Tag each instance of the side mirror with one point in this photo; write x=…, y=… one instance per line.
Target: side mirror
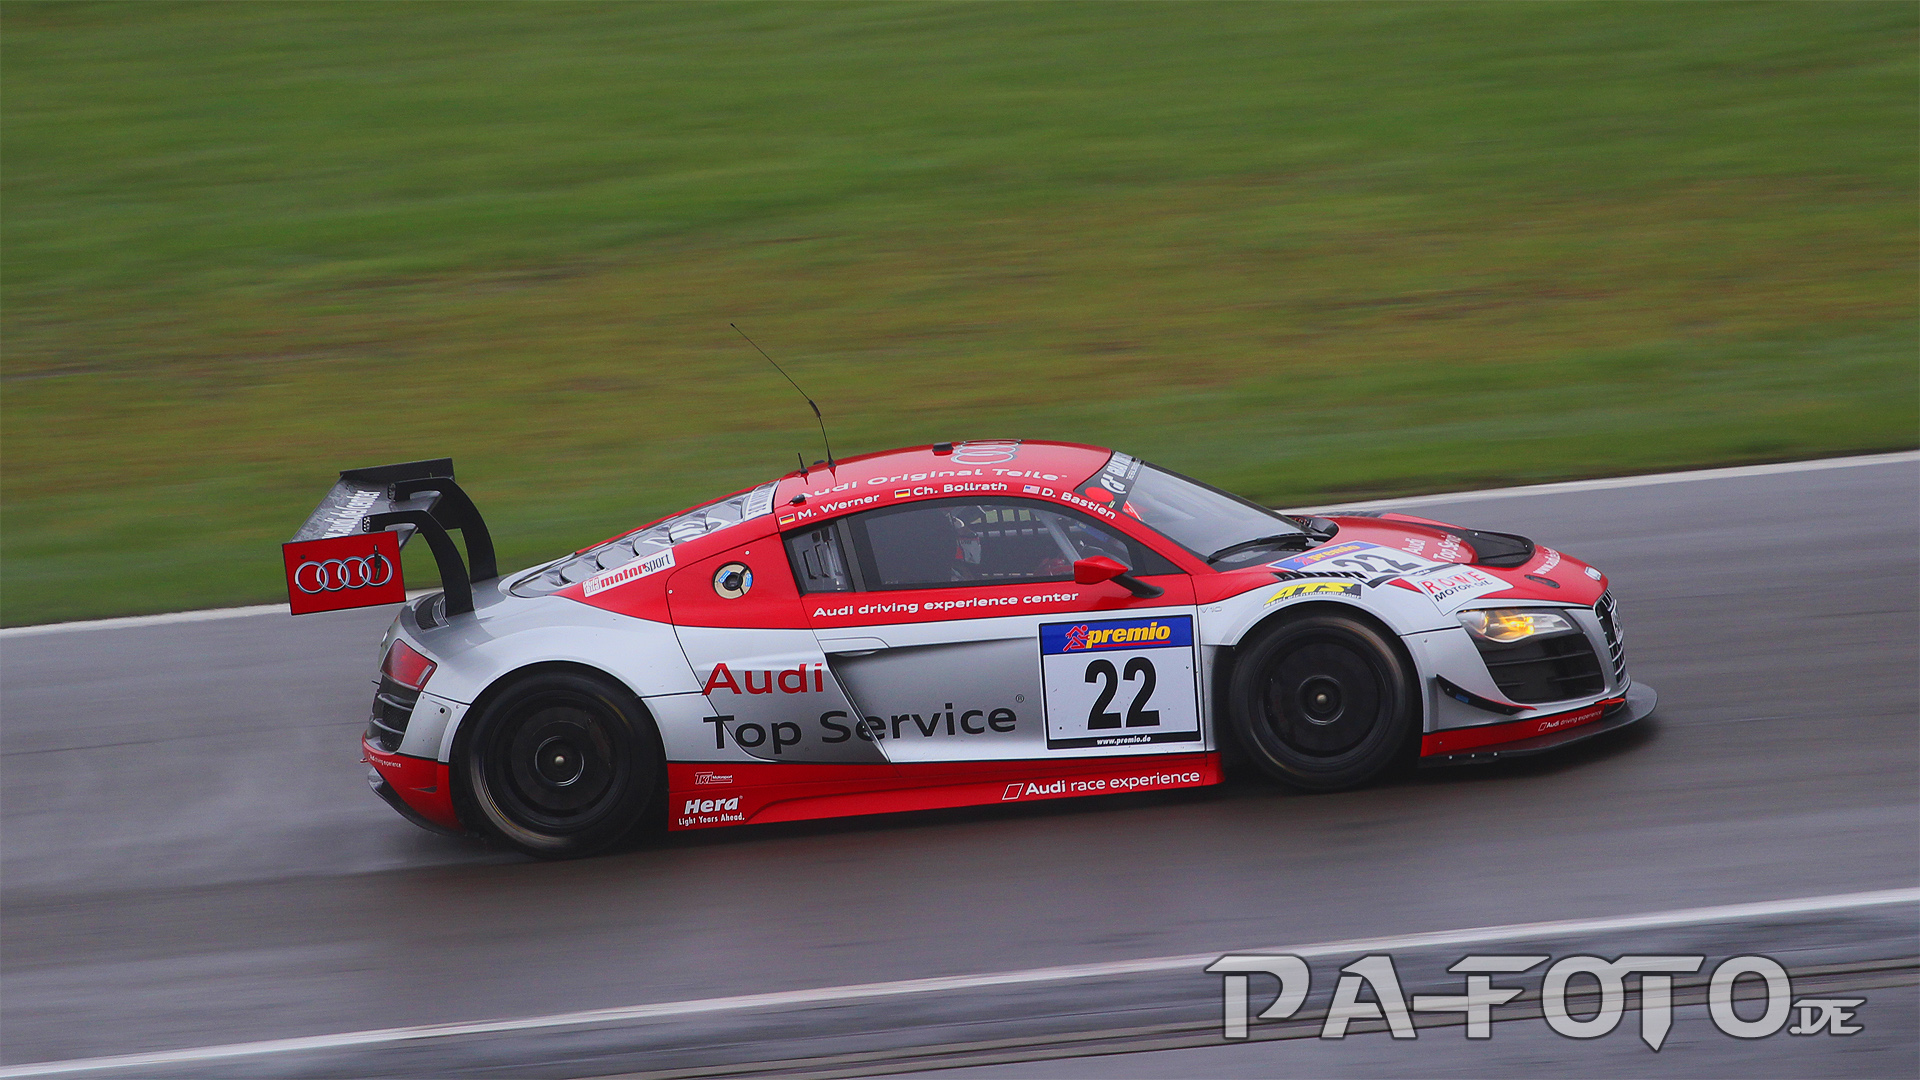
x=1096, y=570
x=1100, y=568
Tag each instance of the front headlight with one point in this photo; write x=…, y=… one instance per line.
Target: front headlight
x=1511, y=624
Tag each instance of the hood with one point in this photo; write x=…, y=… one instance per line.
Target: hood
x=1534, y=571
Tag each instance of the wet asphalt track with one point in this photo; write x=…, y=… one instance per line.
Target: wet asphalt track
x=189, y=854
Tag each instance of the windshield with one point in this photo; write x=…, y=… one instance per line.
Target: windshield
x=1200, y=518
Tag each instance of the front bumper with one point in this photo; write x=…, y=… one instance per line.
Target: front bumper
x=1536, y=735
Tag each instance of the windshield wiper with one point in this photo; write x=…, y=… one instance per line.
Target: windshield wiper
x=1298, y=541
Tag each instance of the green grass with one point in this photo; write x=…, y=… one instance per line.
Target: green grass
x=1302, y=251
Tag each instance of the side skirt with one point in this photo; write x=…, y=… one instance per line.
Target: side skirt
x=704, y=795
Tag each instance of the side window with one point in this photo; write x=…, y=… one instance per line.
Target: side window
x=817, y=565
x=1090, y=538
x=962, y=542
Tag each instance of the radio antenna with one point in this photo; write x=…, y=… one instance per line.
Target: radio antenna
x=816, y=409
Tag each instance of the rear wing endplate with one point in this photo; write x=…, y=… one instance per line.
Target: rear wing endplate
x=341, y=559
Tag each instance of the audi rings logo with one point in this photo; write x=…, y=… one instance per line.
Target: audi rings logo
x=333, y=575
x=986, y=452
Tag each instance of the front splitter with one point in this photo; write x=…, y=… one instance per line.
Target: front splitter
x=1640, y=701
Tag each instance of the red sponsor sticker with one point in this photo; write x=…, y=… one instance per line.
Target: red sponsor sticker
x=1455, y=740
x=1069, y=786
x=344, y=572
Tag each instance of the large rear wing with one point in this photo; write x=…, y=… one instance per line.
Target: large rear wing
x=347, y=555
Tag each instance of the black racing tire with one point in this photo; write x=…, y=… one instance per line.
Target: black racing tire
x=1322, y=702
x=559, y=764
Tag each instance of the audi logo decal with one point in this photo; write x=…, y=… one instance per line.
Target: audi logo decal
x=333, y=575
x=986, y=452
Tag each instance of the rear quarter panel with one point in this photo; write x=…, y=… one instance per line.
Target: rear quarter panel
x=514, y=633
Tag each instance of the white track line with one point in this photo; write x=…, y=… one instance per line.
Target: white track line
x=859, y=991
x=128, y=621
x=1608, y=483
x=143, y=620
x=1603, y=484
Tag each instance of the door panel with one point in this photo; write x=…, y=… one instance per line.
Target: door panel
x=931, y=616
x=966, y=700
x=760, y=666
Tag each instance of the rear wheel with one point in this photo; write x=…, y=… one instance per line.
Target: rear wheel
x=1323, y=702
x=560, y=764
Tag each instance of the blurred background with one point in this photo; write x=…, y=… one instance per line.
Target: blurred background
x=1307, y=252
x=1301, y=251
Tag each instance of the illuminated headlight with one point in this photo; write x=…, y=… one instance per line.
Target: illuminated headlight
x=1512, y=624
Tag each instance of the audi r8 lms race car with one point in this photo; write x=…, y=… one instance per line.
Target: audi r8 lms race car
x=949, y=625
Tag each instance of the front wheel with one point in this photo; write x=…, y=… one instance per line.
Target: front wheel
x=560, y=765
x=1323, y=702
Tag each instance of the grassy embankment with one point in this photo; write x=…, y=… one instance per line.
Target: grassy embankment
x=1300, y=251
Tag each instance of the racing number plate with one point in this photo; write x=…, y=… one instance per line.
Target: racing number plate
x=1119, y=682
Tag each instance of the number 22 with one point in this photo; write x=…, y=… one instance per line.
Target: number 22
x=1103, y=671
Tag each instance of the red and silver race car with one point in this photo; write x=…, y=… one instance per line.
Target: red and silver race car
x=950, y=625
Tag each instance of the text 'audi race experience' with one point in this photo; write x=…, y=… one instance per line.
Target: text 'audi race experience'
x=951, y=625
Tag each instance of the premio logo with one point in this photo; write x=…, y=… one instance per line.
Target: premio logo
x=1107, y=637
x=1117, y=636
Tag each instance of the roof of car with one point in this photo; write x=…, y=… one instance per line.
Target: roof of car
x=991, y=466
